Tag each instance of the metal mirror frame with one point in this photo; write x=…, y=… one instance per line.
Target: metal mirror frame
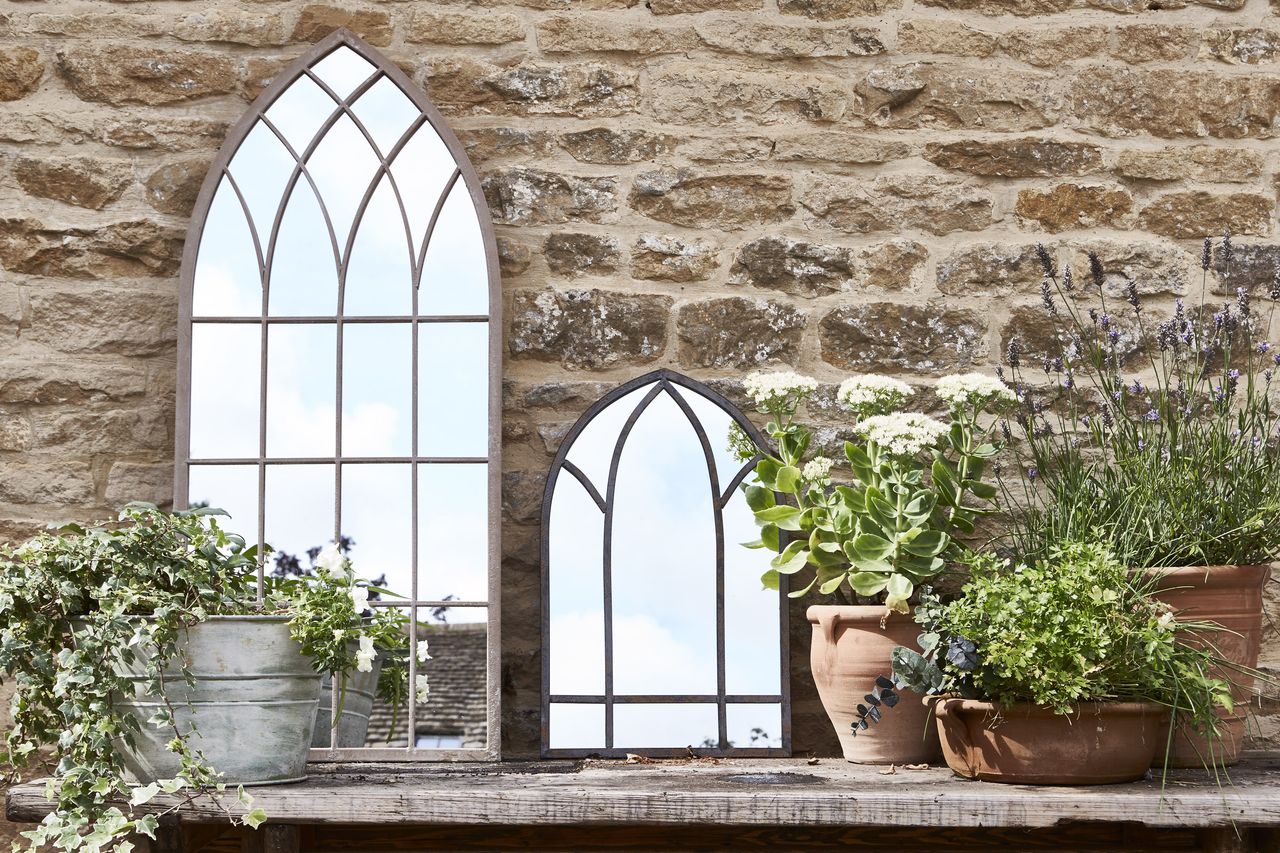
x=466, y=173
x=670, y=381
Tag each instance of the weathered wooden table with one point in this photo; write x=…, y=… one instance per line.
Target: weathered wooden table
x=726, y=804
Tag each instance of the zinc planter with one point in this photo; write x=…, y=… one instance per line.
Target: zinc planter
x=1230, y=596
x=849, y=649
x=253, y=703
x=357, y=705
x=1102, y=743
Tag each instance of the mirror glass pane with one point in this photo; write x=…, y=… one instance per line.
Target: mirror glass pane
x=664, y=539
x=715, y=423
x=577, y=726
x=233, y=488
x=453, y=532
x=262, y=168
x=228, y=281
x=751, y=612
x=299, y=509
x=377, y=389
x=379, y=272
x=303, y=278
x=343, y=70
x=301, y=390
x=226, y=361
x=344, y=166
x=754, y=726
x=656, y=726
x=422, y=170
x=576, y=607
x=592, y=452
x=455, y=276
x=386, y=112
x=453, y=712
x=299, y=113
x=377, y=514
x=453, y=389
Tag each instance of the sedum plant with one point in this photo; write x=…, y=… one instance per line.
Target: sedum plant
x=912, y=484
x=78, y=603
x=1154, y=433
x=1073, y=627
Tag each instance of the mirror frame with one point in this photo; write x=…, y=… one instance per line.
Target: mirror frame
x=660, y=380
x=466, y=173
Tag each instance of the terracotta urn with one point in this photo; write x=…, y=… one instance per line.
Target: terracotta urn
x=1229, y=596
x=1024, y=744
x=849, y=649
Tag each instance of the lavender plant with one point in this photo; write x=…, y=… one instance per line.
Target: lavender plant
x=1157, y=435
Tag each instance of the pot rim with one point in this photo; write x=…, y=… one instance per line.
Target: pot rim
x=855, y=613
x=1243, y=576
x=1029, y=709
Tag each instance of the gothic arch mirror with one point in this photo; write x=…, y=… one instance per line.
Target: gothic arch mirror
x=339, y=369
x=657, y=636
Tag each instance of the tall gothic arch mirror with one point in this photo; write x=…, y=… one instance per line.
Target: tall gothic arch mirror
x=340, y=366
x=657, y=636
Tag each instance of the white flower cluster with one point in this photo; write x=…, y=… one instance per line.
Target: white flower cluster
x=331, y=559
x=872, y=394
x=365, y=655
x=902, y=433
x=421, y=689
x=359, y=600
x=817, y=470
x=973, y=389
x=779, y=391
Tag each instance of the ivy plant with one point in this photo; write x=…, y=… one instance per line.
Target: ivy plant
x=78, y=604
x=913, y=483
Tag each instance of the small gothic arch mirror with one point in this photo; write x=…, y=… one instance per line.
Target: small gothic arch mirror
x=339, y=367
x=656, y=635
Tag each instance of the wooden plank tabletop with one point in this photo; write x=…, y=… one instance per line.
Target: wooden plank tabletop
x=758, y=792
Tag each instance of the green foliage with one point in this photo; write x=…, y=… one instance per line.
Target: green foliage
x=912, y=485
x=1159, y=436
x=76, y=604
x=1073, y=628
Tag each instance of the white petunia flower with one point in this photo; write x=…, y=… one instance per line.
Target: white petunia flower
x=331, y=559
x=871, y=394
x=778, y=391
x=973, y=389
x=338, y=633
x=364, y=657
x=817, y=470
x=904, y=433
x=360, y=599
x=421, y=689
x=423, y=654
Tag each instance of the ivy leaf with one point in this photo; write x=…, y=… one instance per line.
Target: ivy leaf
x=144, y=794
x=255, y=818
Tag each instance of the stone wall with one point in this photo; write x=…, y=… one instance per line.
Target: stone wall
x=711, y=185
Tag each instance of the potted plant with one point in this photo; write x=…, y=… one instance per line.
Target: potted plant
x=145, y=656
x=1156, y=435
x=1059, y=672
x=872, y=532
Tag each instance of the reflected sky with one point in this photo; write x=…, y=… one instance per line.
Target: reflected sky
x=359, y=243
x=664, y=585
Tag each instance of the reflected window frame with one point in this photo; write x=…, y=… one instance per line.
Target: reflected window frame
x=464, y=173
x=677, y=385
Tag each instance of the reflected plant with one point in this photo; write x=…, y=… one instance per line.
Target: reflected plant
x=913, y=484
x=1159, y=436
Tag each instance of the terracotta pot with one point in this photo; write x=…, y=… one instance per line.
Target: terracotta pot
x=849, y=650
x=1230, y=596
x=1103, y=742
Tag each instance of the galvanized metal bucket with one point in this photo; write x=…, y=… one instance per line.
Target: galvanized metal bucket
x=356, y=706
x=253, y=704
